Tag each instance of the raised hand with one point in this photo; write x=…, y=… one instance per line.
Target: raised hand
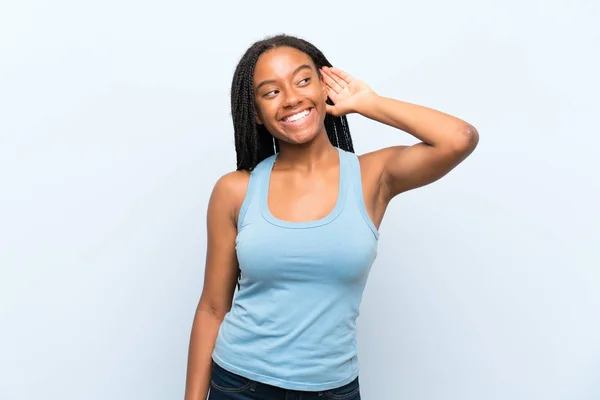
x=345, y=91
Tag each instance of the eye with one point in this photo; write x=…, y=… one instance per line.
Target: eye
x=304, y=81
x=271, y=93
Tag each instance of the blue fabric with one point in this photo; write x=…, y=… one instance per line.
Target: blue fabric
x=293, y=321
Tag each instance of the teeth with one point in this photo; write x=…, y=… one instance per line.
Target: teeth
x=298, y=116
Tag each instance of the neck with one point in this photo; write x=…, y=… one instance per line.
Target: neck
x=306, y=156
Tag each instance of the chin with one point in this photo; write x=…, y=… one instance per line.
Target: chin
x=298, y=139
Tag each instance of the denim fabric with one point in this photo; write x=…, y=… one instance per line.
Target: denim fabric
x=225, y=385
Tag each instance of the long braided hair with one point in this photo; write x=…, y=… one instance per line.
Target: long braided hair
x=253, y=142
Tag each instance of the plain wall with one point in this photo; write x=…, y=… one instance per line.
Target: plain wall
x=115, y=125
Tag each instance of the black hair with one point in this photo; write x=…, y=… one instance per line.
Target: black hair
x=253, y=143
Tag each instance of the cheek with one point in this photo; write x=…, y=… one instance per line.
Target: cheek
x=261, y=116
x=264, y=110
x=267, y=114
x=320, y=94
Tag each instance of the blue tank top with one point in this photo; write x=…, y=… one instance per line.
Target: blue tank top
x=292, y=323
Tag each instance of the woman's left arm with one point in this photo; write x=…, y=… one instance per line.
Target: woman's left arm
x=445, y=142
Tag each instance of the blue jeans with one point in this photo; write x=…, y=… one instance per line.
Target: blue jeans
x=225, y=385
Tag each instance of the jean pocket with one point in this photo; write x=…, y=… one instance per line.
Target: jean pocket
x=346, y=392
x=226, y=381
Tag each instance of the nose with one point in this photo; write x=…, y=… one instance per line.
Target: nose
x=292, y=98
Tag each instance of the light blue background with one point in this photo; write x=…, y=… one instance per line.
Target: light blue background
x=115, y=124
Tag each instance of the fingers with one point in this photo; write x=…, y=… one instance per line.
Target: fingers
x=332, y=82
x=340, y=76
x=332, y=95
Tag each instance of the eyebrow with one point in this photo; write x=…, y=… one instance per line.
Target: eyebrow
x=268, y=81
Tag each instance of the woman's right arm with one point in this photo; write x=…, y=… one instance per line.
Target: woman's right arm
x=220, y=278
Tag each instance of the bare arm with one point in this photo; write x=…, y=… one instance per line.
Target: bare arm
x=220, y=278
x=445, y=142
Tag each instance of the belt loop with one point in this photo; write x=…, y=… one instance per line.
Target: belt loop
x=253, y=386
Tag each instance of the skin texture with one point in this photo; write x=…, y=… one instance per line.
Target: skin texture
x=304, y=181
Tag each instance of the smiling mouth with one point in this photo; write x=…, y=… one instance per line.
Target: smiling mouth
x=298, y=117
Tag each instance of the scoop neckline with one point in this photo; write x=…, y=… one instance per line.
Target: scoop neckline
x=333, y=214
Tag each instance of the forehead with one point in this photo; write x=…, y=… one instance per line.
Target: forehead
x=279, y=63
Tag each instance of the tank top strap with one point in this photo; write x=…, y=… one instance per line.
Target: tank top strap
x=356, y=189
x=252, y=198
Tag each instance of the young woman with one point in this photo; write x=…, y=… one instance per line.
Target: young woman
x=296, y=225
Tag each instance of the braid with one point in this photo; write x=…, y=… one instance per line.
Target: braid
x=253, y=142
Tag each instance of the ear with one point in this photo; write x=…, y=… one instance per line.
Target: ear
x=323, y=85
x=258, y=120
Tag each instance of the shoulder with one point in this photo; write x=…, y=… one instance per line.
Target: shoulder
x=231, y=186
x=372, y=166
x=373, y=163
x=229, y=192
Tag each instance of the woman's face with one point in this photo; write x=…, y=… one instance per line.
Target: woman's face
x=289, y=95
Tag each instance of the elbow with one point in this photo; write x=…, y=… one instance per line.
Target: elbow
x=466, y=139
x=213, y=308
